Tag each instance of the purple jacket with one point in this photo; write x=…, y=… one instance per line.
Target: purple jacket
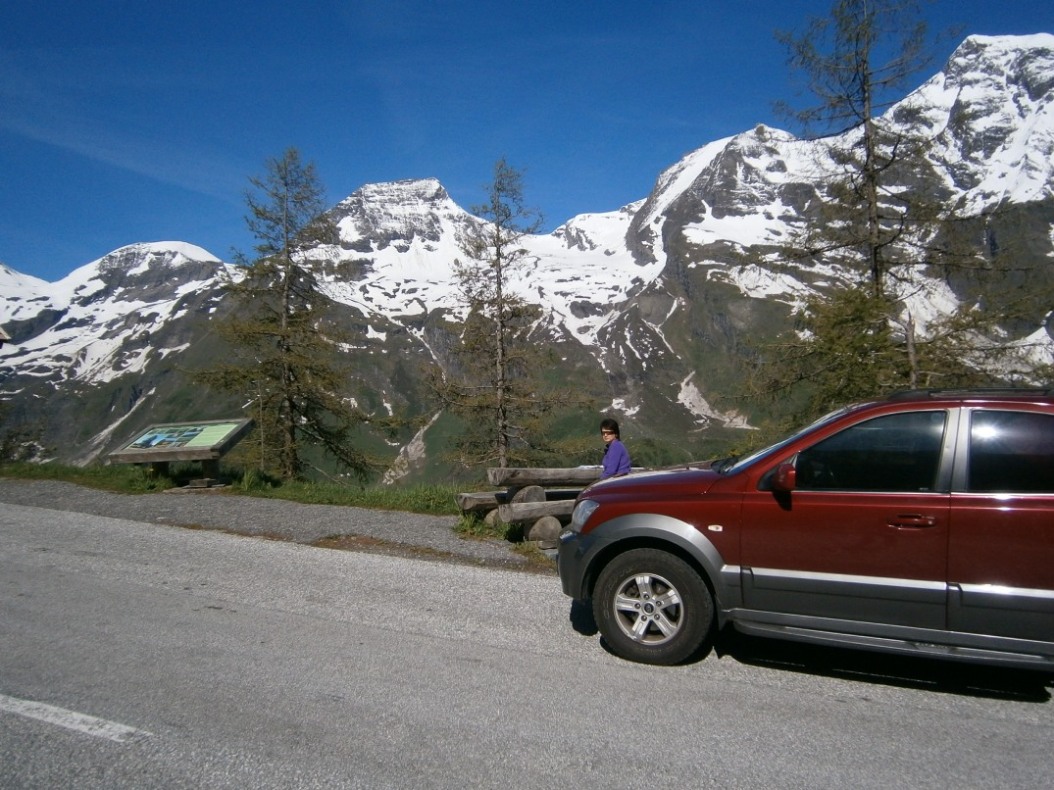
x=616, y=460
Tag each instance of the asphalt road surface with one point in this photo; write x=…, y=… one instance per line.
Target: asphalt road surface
x=137, y=655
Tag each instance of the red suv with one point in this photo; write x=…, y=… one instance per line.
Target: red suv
x=922, y=524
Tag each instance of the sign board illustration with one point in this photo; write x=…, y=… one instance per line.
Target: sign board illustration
x=186, y=441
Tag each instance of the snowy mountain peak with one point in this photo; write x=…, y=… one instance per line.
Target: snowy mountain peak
x=396, y=211
x=172, y=252
x=138, y=259
x=1021, y=59
x=12, y=282
x=405, y=192
x=990, y=115
x=147, y=270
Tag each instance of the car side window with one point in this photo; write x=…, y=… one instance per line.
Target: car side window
x=1011, y=452
x=897, y=452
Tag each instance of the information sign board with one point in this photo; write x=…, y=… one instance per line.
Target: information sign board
x=207, y=440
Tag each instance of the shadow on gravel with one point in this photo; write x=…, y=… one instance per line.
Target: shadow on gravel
x=581, y=618
x=946, y=677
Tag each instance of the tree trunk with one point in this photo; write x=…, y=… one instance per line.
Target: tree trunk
x=913, y=358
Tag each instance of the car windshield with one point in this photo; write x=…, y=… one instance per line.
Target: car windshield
x=731, y=465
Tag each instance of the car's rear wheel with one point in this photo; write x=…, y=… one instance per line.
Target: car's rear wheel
x=651, y=606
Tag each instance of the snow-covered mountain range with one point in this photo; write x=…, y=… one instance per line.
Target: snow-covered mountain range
x=650, y=307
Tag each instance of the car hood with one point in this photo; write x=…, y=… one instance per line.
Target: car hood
x=688, y=480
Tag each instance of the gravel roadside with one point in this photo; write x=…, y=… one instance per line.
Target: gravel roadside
x=332, y=526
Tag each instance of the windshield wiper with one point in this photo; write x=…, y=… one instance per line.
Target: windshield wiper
x=722, y=464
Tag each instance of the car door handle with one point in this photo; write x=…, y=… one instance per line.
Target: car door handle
x=912, y=521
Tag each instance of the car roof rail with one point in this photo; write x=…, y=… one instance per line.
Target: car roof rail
x=965, y=392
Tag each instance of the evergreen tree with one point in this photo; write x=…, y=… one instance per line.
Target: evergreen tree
x=880, y=222
x=497, y=385
x=842, y=57
x=283, y=346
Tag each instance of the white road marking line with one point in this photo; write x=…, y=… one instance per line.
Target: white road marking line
x=71, y=720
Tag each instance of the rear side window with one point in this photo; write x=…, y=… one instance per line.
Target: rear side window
x=1011, y=452
x=898, y=452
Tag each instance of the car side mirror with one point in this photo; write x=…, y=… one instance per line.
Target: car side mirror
x=786, y=478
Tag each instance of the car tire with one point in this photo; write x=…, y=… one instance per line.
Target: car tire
x=653, y=607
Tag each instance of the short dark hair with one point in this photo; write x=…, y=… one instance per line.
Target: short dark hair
x=610, y=425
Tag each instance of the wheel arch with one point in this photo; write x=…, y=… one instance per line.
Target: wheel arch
x=655, y=531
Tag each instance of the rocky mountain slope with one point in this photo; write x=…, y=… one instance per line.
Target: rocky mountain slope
x=651, y=308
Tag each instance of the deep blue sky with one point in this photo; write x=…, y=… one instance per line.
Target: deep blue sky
x=126, y=120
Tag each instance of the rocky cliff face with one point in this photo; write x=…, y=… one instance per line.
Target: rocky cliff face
x=652, y=308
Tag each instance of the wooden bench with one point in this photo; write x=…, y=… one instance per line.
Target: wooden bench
x=542, y=499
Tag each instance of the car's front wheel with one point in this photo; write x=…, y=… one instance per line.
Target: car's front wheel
x=653, y=607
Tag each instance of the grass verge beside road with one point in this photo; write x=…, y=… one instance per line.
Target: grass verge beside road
x=433, y=500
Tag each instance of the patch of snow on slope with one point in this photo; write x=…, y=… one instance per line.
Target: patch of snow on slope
x=759, y=282
x=413, y=452
x=760, y=227
x=692, y=399
x=620, y=406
